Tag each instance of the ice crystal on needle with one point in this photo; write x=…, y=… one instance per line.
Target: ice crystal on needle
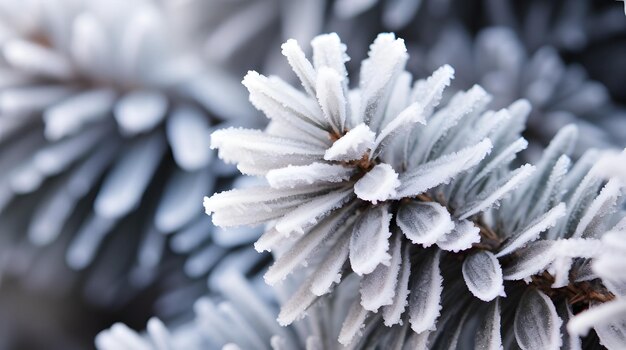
x=382, y=182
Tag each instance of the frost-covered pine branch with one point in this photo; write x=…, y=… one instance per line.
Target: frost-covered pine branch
x=417, y=199
x=96, y=97
x=239, y=315
x=105, y=119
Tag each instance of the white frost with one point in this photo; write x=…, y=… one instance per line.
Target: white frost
x=378, y=184
x=369, y=242
x=425, y=302
x=424, y=223
x=353, y=145
x=483, y=275
x=293, y=176
x=378, y=288
x=441, y=170
x=537, y=325
x=464, y=234
x=488, y=336
x=532, y=231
